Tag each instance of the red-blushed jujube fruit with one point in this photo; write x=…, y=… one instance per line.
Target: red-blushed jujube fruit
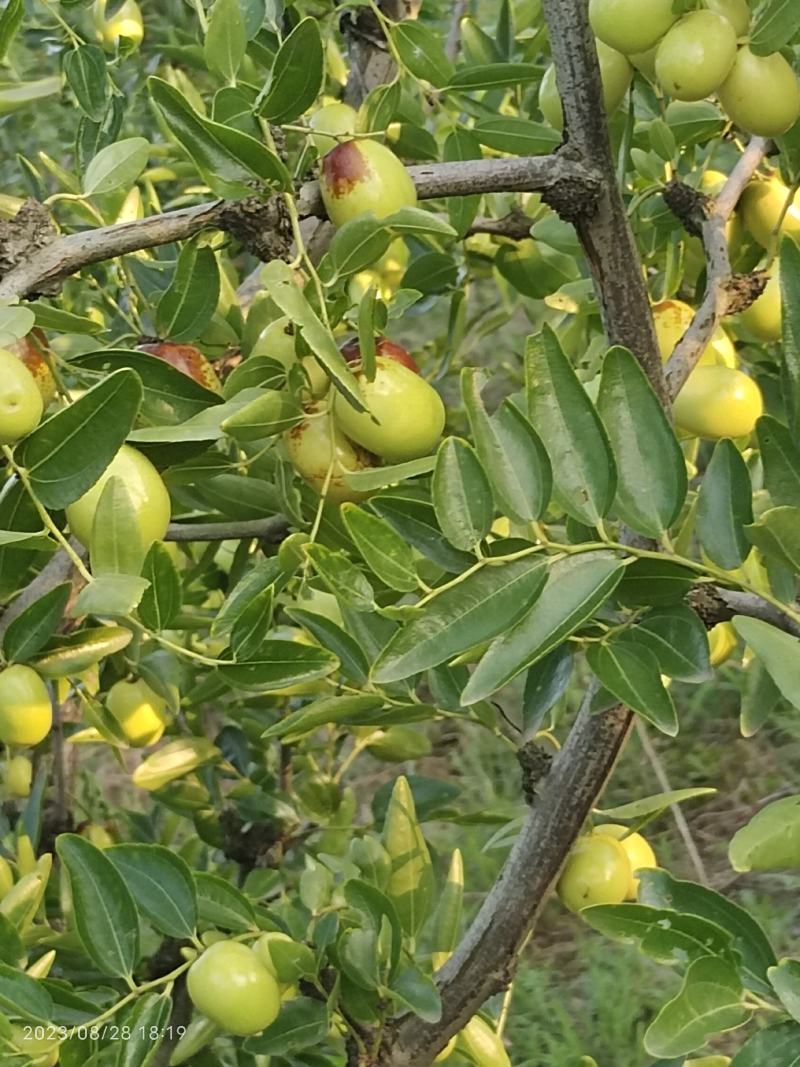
x=361, y=176
x=316, y=446
x=21, y=403
x=383, y=347
x=187, y=359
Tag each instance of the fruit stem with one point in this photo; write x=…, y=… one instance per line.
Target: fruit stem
x=51, y=526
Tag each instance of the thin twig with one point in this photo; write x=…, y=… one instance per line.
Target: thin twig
x=273, y=529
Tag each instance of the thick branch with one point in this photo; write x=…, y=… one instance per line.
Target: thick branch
x=67, y=254
x=725, y=292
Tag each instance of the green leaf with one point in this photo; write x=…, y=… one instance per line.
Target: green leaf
x=633, y=675
x=228, y=160
x=105, y=914
x=781, y=459
x=354, y=663
x=226, y=40
x=380, y=477
x=161, y=884
x=415, y=520
x=664, y=935
x=381, y=105
x=280, y=664
x=446, y=922
x=358, y=244
x=771, y=840
x=280, y=283
x=577, y=586
x=510, y=451
x=345, y=710
x=146, y=1023
x=10, y=22
x=725, y=506
x=693, y=122
x=23, y=997
x=462, y=144
x=778, y=1046
x=297, y=74
x=342, y=577
x=520, y=137
x=188, y=304
x=709, y=1003
x=678, y=639
x=546, y=682
x=174, y=760
x=776, y=22
x=417, y=991
x=170, y=397
x=222, y=904
x=421, y=52
x=302, y=1023
x=494, y=76
x=109, y=594
x=785, y=979
x=33, y=628
x=571, y=431
x=411, y=883
x=659, y=889
x=14, y=96
x=266, y=415
x=116, y=544
x=651, y=469
x=117, y=166
x=778, y=651
x=68, y=452
x=760, y=697
x=161, y=601
x=36, y=542
x=462, y=495
x=384, y=551
x=777, y=535
x=485, y=604
x=69, y=654
x=654, y=582
x=85, y=70
x=790, y=349
x=252, y=625
x=414, y=221
x=638, y=809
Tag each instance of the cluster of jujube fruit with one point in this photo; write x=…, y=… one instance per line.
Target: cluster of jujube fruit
x=690, y=57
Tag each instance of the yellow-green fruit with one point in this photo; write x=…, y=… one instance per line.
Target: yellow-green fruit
x=482, y=1045
x=761, y=94
x=597, y=871
x=396, y=744
x=709, y=1061
x=317, y=446
x=147, y=493
x=737, y=12
x=616, y=74
x=637, y=848
x=718, y=402
x=26, y=713
x=141, y=713
x=231, y=986
x=125, y=22
x=335, y=118
x=645, y=63
x=263, y=949
x=405, y=415
x=17, y=776
x=672, y=318
x=368, y=279
x=722, y=641
x=41, y=1051
x=361, y=176
x=696, y=56
x=392, y=265
x=630, y=25
x=98, y=835
x=21, y=404
x=765, y=204
x=6, y=876
x=764, y=317
x=277, y=342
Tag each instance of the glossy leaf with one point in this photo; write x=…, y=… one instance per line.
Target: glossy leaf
x=10, y=22
x=161, y=601
x=222, y=904
x=421, y=52
x=725, y=507
x=279, y=664
x=785, y=979
x=187, y=305
x=252, y=625
x=461, y=144
x=105, y=913
x=771, y=840
x=32, y=629
x=510, y=452
x=778, y=651
x=777, y=535
x=116, y=545
x=174, y=760
x=519, y=136
x=576, y=588
x=778, y=1045
x=631, y=672
x=68, y=452
x=296, y=74
x=415, y=520
x=411, y=884
x=545, y=684
x=161, y=884
x=493, y=76
x=358, y=244
x=117, y=166
x=354, y=663
x=66, y=655
x=781, y=459
x=462, y=495
x=266, y=415
x=637, y=809
x=709, y=1002
x=651, y=469
x=147, y=1024
x=226, y=39
x=85, y=70
x=302, y=1023
x=790, y=349
x=678, y=639
x=776, y=22
x=384, y=551
x=346, y=710
x=485, y=604
x=664, y=935
x=571, y=431
x=343, y=578
x=109, y=594
x=24, y=997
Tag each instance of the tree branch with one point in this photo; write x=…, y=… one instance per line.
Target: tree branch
x=69, y=253
x=726, y=292
x=273, y=529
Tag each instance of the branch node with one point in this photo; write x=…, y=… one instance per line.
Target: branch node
x=744, y=289
x=262, y=226
x=572, y=198
x=30, y=229
x=535, y=764
x=688, y=205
